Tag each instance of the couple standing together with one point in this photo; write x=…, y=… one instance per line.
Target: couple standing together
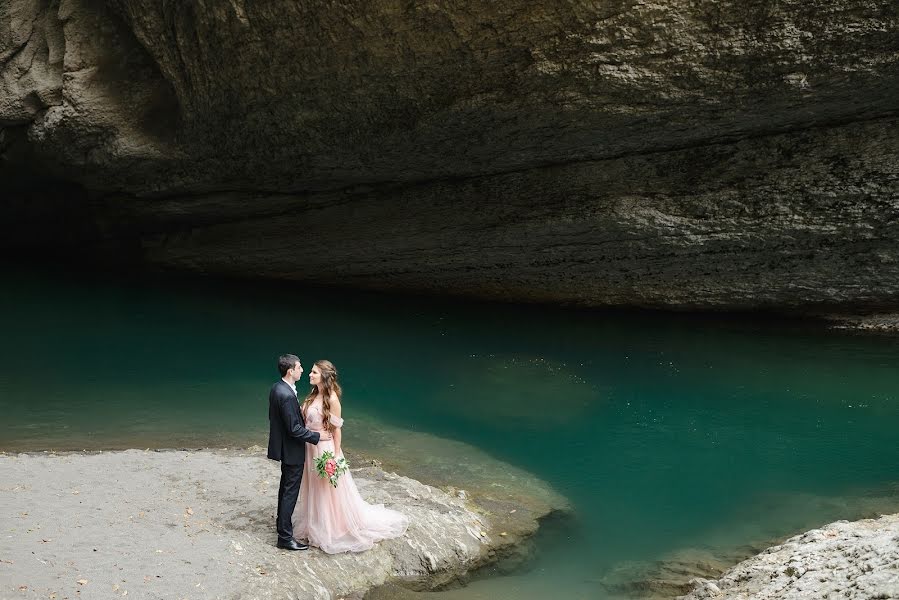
x=335, y=519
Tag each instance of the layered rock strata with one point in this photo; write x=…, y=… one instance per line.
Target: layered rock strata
x=692, y=155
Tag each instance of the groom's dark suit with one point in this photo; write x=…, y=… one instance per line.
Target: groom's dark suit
x=287, y=441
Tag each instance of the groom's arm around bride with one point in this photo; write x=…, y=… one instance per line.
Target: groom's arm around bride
x=293, y=424
x=287, y=431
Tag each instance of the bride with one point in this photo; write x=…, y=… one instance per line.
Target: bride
x=336, y=519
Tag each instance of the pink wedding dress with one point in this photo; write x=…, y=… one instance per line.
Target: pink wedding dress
x=338, y=519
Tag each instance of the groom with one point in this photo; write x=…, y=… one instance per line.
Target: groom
x=287, y=439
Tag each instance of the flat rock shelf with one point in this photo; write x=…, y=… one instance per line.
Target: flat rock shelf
x=200, y=524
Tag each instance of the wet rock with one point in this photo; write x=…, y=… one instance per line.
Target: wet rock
x=667, y=578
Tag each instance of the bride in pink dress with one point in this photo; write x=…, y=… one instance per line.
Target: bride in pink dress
x=336, y=519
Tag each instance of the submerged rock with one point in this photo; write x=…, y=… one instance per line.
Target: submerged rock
x=664, y=579
x=172, y=524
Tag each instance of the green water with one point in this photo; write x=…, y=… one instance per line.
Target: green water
x=666, y=432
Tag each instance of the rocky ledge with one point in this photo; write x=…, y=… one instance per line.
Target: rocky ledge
x=181, y=524
x=845, y=559
x=884, y=323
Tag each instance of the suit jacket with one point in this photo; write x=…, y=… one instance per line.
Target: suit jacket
x=287, y=435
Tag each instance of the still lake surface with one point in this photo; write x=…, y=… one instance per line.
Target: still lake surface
x=666, y=432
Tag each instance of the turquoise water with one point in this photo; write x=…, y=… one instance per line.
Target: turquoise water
x=666, y=432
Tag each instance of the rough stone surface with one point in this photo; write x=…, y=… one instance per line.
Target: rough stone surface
x=842, y=560
x=663, y=154
x=738, y=539
x=885, y=323
x=177, y=524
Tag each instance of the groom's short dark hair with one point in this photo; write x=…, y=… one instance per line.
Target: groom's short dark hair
x=286, y=362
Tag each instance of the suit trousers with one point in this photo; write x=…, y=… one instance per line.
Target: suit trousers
x=288, y=492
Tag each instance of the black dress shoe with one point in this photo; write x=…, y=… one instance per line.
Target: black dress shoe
x=292, y=545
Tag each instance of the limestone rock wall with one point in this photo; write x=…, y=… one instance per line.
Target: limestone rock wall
x=673, y=153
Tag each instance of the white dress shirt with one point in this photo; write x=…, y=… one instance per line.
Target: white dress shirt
x=293, y=387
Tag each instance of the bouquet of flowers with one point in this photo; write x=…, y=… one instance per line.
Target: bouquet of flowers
x=331, y=468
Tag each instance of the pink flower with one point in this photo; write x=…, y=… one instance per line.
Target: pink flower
x=330, y=467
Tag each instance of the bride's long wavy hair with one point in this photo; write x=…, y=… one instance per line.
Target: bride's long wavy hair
x=329, y=384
